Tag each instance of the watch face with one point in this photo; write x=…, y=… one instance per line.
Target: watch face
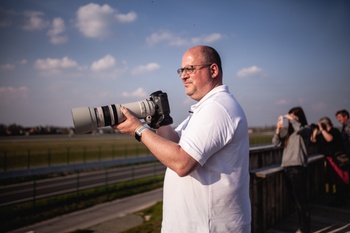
x=139, y=130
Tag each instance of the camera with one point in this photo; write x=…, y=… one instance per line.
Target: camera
x=155, y=111
x=314, y=126
x=280, y=121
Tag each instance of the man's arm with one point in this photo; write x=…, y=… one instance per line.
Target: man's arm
x=169, y=133
x=166, y=150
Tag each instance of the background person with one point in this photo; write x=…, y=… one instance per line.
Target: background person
x=294, y=161
x=329, y=142
x=206, y=185
x=343, y=118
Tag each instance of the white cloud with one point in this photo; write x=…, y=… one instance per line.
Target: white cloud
x=55, y=64
x=126, y=18
x=140, y=93
x=156, y=38
x=34, y=21
x=174, y=40
x=95, y=21
x=250, y=71
x=23, y=61
x=12, y=66
x=146, y=68
x=206, y=38
x=282, y=102
x=7, y=67
x=319, y=107
x=104, y=63
x=11, y=95
x=55, y=33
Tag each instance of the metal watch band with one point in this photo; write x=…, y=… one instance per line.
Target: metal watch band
x=138, y=133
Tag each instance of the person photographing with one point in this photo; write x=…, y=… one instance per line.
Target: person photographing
x=206, y=184
x=294, y=161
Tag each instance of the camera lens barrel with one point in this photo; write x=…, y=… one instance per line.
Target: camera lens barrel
x=84, y=119
x=106, y=115
x=88, y=119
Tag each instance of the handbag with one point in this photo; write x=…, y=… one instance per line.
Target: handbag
x=342, y=160
x=343, y=175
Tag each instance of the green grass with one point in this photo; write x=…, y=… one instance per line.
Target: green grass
x=153, y=224
x=260, y=139
x=28, y=154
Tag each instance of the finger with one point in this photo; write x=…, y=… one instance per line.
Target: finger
x=125, y=111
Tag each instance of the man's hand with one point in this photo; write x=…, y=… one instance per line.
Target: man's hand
x=130, y=124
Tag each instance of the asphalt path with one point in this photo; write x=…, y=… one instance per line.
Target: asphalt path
x=111, y=217
x=27, y=191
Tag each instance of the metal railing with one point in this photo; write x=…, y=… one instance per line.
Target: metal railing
x=37, y=189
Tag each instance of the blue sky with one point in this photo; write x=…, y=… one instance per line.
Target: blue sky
x=277, y=54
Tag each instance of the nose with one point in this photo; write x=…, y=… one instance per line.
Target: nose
x=184, y=75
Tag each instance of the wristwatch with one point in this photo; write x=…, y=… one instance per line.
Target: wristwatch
x=138, y=132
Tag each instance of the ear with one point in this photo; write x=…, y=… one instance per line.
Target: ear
x=214, y=70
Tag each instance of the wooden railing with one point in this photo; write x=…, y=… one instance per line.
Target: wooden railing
x=269, y=197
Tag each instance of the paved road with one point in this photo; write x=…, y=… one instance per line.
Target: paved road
x=44, y=188
x=112, y=217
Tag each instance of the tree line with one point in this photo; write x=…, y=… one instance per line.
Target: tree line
x=19, y=130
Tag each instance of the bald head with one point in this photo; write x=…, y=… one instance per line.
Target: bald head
x=202, y=71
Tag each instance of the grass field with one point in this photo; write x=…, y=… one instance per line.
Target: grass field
x=47, y=151
x=28, y=152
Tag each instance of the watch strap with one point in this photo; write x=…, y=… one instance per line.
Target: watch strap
x=138, y=132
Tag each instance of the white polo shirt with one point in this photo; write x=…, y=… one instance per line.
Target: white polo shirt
x=214, y=197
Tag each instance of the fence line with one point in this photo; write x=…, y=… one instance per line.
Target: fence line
x=37, y=189
x=33, y=152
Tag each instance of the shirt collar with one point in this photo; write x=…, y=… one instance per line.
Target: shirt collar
x=221, y=88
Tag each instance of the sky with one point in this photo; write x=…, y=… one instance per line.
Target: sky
x=276, y=54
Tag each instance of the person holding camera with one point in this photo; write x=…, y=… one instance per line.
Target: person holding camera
x=294, y=161
x=329, y=142
x=206, y=184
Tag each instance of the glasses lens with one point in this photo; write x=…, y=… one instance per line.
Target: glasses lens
x=189, y=70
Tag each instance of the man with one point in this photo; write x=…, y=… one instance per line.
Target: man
x=343, y=118
x=206, y=185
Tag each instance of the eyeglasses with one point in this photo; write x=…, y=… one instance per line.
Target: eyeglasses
x=190, y=69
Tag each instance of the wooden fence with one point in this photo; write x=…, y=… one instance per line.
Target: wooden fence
x=269, y=197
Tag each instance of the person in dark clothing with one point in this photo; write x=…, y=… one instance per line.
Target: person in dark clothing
x=329, y=141
x=343, y=118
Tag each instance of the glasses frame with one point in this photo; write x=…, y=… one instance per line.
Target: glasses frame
x=190, y=69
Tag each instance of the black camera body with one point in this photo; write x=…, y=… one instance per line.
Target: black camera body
x=315, y=126
x=162, y=110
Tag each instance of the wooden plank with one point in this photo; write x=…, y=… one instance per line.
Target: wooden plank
x=267, y=171
x=323, y=218
x=264, y=172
